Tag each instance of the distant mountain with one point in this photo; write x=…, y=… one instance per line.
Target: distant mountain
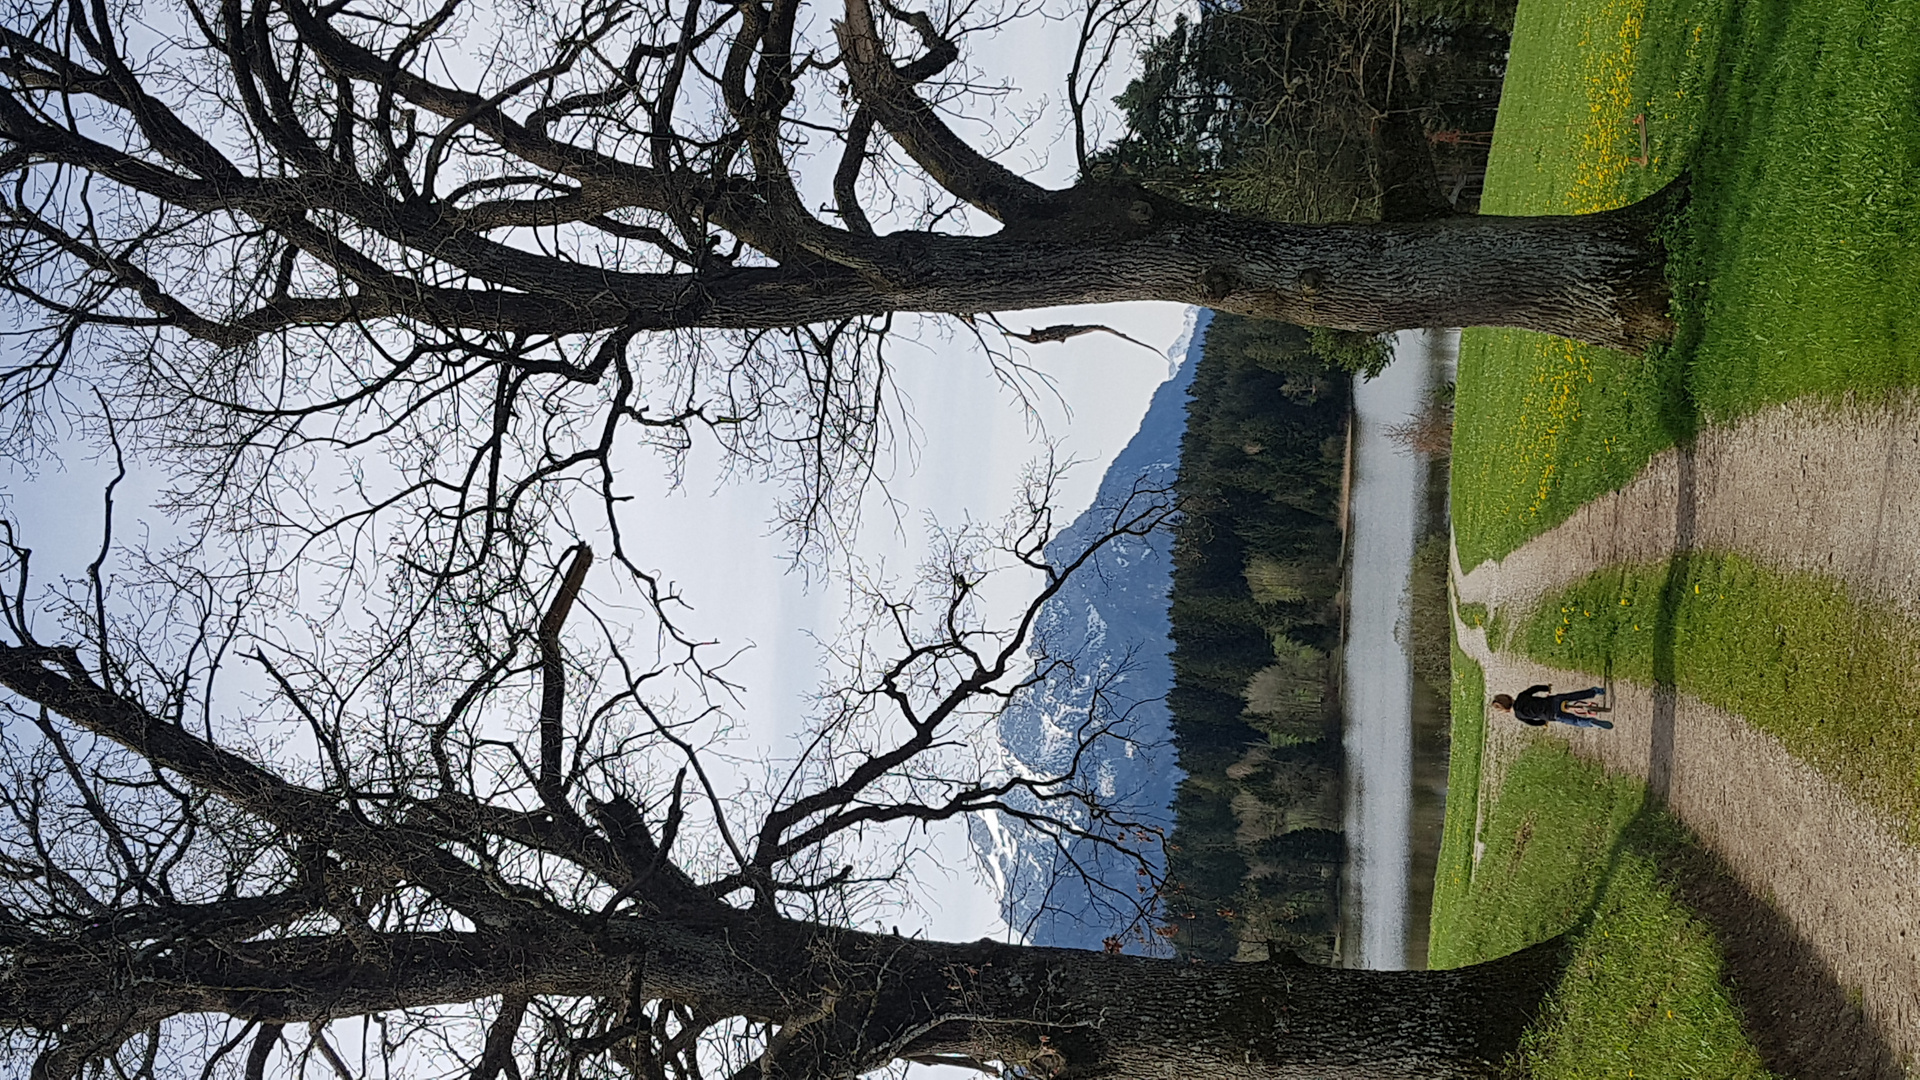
x=1111, y=623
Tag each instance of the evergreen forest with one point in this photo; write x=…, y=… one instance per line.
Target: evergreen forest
x=1256, y=851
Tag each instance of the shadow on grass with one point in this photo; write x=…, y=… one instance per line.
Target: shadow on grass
x=1666, y=630
x=1722, y=161
x=1803, y=1022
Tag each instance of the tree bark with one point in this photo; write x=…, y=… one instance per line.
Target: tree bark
x=1596, y=278
x=1070, y=1013
x=849, y=1002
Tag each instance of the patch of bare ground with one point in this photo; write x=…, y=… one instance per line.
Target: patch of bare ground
x=1816, y=900
x=1826, y=967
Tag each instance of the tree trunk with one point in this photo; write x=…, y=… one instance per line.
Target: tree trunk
x=1069, y=1013
x=1596, y=278
x=849, y=1002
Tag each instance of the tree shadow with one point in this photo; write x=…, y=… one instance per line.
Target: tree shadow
x=1666, y=628
x=1803, y=1022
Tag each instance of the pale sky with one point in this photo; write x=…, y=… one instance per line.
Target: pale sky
x=969, y=442
x=973, y=442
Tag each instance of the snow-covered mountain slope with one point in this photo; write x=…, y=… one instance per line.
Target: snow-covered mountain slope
x=1110, y=624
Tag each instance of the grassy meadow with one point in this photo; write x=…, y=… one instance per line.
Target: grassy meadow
x=1794, y=122
x=1795, y=127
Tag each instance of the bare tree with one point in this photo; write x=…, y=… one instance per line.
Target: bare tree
x=515, y=857
x=448, y=259
x=620, y=168
x=374, y=290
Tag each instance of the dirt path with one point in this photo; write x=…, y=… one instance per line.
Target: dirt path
x=1833, y=490
x=1813, y=488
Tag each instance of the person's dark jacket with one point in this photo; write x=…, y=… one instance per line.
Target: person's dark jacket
x=1535, y=704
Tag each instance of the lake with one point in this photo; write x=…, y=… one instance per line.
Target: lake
x=1394, y=734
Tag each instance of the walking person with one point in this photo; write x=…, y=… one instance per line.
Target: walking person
x=1538, y=704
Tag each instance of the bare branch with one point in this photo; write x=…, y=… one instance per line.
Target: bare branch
x=1064, y=332
x=888, y=94
x=553, y=679
x=500, y=1035
x=264, y=1044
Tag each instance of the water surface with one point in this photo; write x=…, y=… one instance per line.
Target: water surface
x=1388, y=512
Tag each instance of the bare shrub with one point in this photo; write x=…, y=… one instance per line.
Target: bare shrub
x=1429, y=434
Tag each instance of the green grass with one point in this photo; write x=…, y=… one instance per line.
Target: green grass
x=1834, y=678
x=1454, y=873
x=1497, y=629
x=1796, y=121
x=1806, y=226
x=1569, y=848
x=1473, y=615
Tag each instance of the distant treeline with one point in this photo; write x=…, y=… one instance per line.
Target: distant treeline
x=1256, y=852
